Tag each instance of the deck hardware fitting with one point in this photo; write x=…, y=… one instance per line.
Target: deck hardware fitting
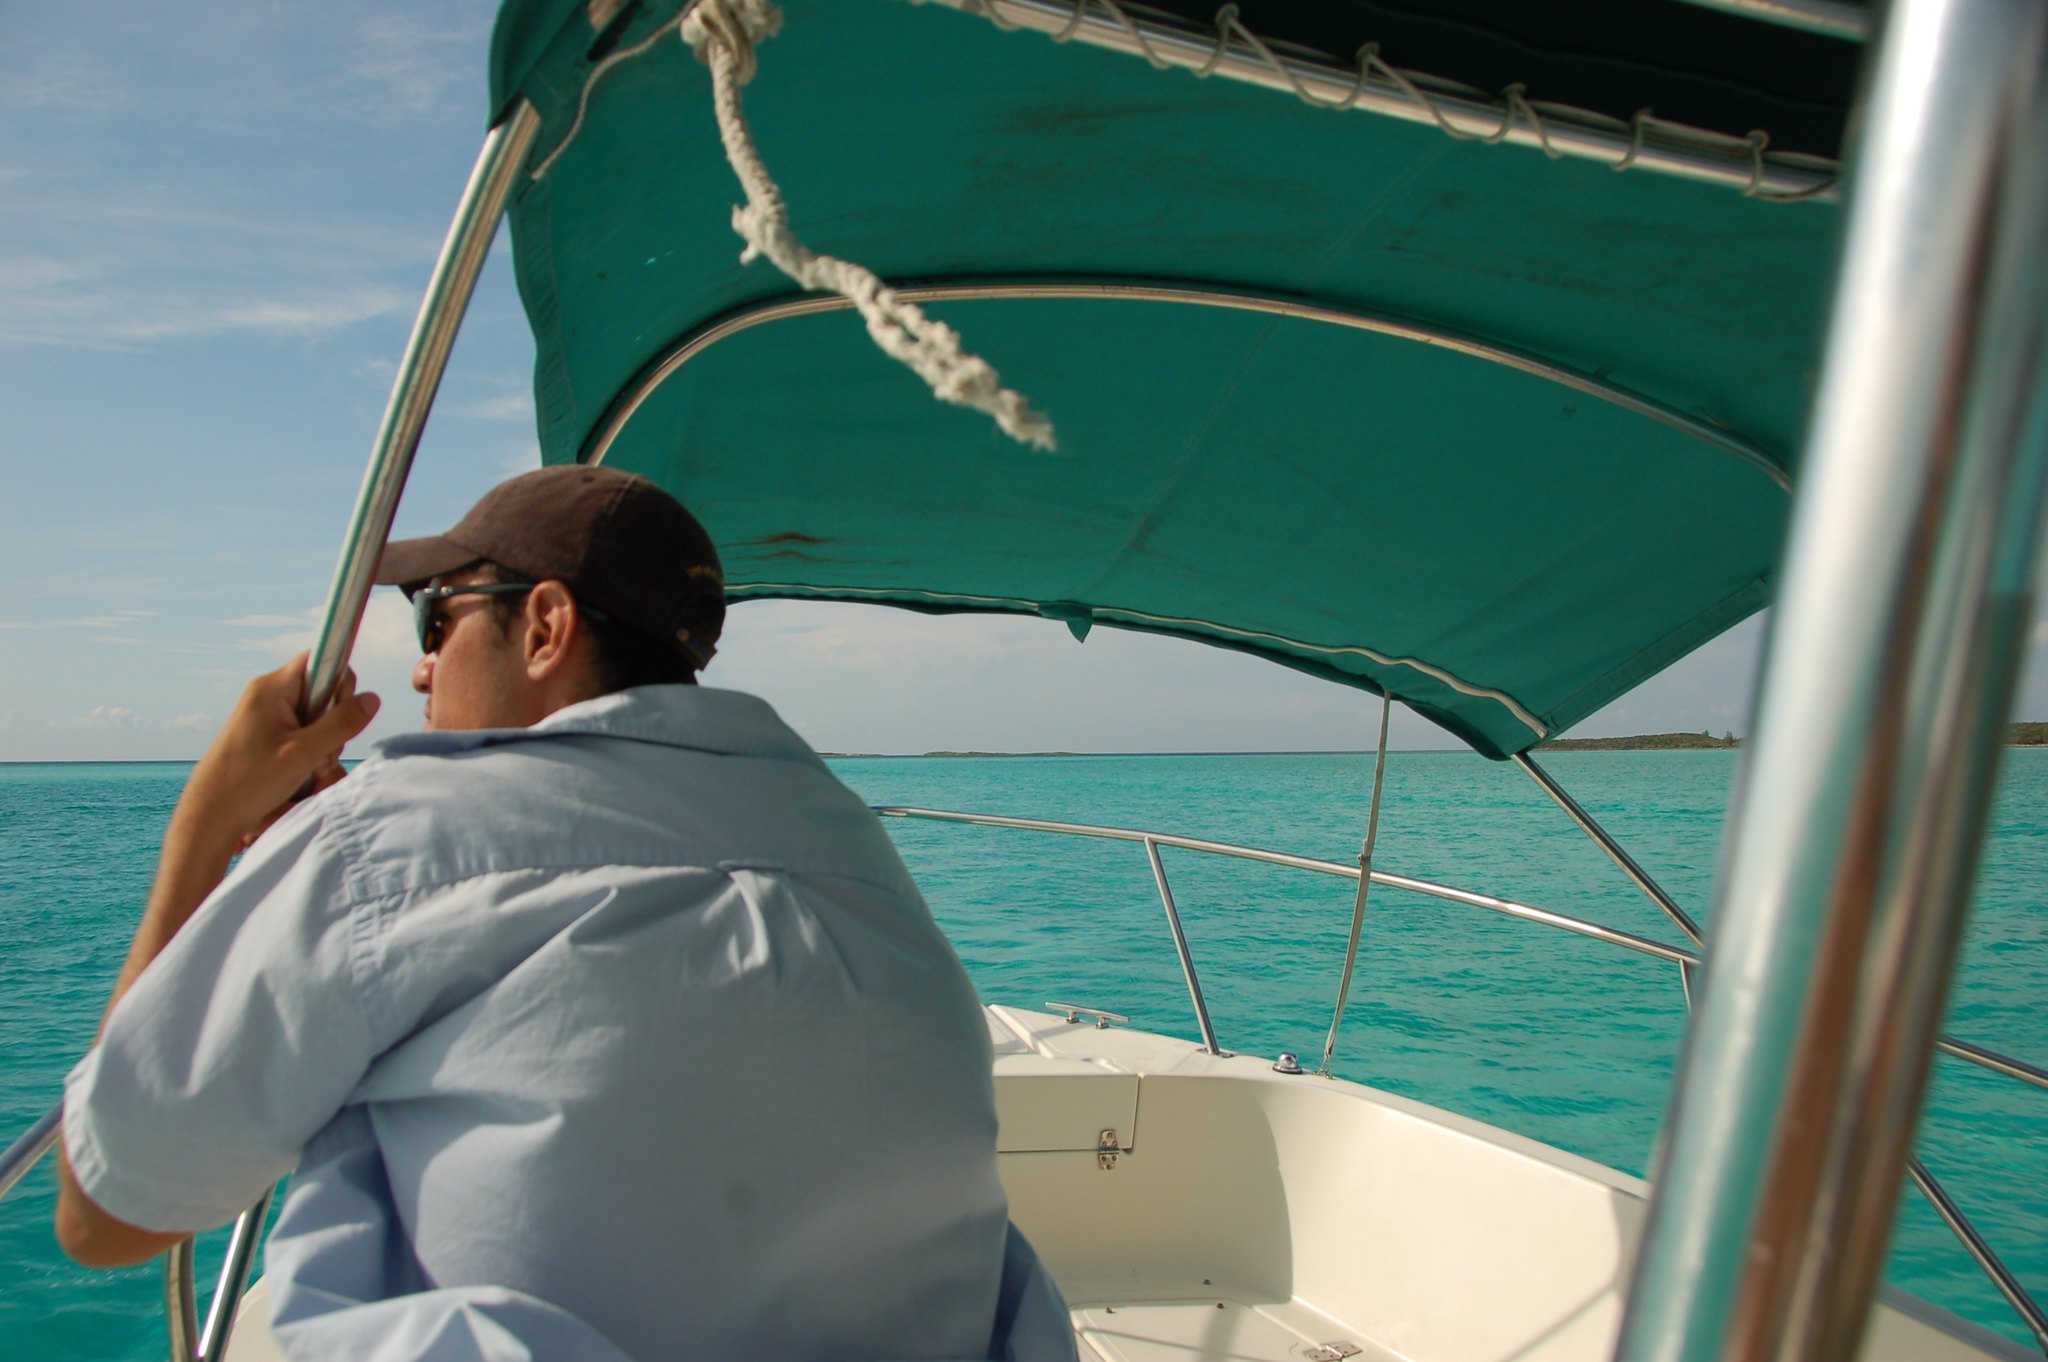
x=1106, y=1150
x=1288, y=1063
x=1333, y=1352
x=1074, y=1012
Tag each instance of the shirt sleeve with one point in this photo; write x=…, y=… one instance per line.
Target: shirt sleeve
x=234, y=1047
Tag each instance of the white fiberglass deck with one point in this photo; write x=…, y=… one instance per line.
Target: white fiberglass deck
x=1251, y=1216
x=1257, y=1215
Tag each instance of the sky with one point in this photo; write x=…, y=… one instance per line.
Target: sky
x=216, y=221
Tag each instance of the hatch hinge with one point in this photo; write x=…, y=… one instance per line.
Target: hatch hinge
x=1106, y=1150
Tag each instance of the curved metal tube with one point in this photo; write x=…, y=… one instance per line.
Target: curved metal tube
x=751, y=315
x=1830, y=18
x=234, y=1280
x=412, y=395
x=1372, y=835
x=1983, y=1057
x=1899, y=631
x=181, y=1320
x=1427, y=888
x=1558, y=131
x=1987, y=1261
x=1180, y=945
x=33, y=1144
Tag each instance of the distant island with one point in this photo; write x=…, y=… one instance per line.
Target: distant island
x=2020, y=735
x=1645, y=742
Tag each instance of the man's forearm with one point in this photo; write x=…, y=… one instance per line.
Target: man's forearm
x=263, y=761
x=193, y=862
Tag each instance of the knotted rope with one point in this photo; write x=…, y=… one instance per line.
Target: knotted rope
x=724, y=33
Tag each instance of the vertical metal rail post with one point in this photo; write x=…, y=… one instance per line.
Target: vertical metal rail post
x=181, y=1321
x=498, y=167
x=1372, y=833
x=1896, y=641
x=1180, y=944
x=234, y=1279
x=1616, y=853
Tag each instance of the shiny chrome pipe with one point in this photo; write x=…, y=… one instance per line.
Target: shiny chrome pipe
x=1690, y=153
x=1830, y=18
x=35, y=1142
x=234, y=1280
x=746, y=317
x=181, y=1320
x=1372, y=834
x=1180, y=945
x=1973, y=1243
x=1894, y=649
x=412, y=395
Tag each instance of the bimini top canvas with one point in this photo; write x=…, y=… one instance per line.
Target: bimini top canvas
x=1461, y=355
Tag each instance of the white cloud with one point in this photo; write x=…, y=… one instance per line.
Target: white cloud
x=100, y=719
x=266, y=621
x=186, y=723
x=506, y=407
x=385, y=638
x=115, y=271
x=75, y=85
x=117, y=620
x=413, y=64
x=524, y=459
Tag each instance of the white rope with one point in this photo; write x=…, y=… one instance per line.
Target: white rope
x=723, y=34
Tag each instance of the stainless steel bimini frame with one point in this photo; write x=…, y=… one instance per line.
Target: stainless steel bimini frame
x=1895, y=646
x=1897, y=639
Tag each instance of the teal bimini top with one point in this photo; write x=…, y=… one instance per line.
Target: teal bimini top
x=1496, y=432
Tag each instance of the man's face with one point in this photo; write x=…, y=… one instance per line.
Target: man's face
x=476, y=676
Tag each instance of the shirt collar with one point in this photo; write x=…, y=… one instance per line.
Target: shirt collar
x=726, y=722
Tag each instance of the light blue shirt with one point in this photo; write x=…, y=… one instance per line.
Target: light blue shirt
x=623, y=1036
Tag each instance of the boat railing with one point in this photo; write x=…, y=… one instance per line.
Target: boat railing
x=1945, y=1205
x=211, y=1340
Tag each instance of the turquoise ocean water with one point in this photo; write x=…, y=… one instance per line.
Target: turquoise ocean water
x=1567, y=1040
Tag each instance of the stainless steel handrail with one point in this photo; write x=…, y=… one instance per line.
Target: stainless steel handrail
x=1984, y=1057
x=24, y=1152
x=1951, y=1214
x=33, y=1144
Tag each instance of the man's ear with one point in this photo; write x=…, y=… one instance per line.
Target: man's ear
x=552, y=628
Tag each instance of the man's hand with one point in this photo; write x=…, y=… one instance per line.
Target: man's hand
x=263, y=762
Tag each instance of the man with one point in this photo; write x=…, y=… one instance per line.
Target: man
x=599, y=1020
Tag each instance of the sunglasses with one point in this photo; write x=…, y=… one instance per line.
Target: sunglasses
x=426, y=619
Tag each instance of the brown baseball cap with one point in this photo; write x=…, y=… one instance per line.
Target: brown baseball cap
x=618, y=541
